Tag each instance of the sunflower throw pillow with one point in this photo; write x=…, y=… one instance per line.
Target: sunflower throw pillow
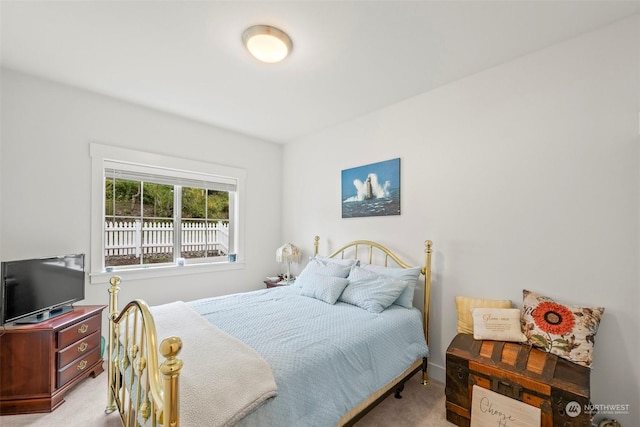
x=564, y=330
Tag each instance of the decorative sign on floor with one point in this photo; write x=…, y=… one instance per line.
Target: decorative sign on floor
x=490, y=409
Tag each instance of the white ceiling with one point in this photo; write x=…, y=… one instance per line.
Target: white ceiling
x=349, y=58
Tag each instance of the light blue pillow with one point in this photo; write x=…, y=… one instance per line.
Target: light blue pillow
x=410, y=275
x=324, y=288
x=321, y=267
x=371, y=291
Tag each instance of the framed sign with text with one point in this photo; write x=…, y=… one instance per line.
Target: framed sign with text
x=490, y=409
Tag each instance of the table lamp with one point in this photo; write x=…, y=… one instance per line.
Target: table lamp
x=288, y=253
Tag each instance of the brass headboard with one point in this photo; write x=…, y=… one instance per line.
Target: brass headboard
x=387, y=254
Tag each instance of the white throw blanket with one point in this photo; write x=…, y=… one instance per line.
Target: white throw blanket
x=223, y=379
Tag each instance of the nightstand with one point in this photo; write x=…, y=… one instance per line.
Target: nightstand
x=272, y=284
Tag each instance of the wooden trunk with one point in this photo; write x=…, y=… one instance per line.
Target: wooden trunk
x=557, y=386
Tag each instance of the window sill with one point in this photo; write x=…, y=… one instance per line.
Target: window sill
x=164, y=271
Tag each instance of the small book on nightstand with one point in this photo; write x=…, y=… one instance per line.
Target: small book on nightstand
x=272, y=282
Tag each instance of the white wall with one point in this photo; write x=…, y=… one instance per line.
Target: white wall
x=1, y=139
x=525, y=176
x=46, y=172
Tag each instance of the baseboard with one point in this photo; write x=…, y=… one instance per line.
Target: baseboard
x=437, y=372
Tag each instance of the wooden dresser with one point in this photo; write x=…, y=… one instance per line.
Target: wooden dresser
x=40, y=362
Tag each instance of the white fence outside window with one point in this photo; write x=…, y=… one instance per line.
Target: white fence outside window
x=136, y=238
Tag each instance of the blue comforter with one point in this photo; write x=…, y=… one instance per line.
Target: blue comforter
x=326, y=359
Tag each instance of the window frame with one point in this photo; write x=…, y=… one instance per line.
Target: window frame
x=104, y=156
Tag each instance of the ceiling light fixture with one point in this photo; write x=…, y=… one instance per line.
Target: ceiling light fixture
x=267, y=43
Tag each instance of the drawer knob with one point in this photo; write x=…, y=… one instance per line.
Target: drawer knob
x=82, y=347
x=81, y=365
x=82, y=329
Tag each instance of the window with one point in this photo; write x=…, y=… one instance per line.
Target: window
x=166, y=212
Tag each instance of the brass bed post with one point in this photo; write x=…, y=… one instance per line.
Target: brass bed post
x=170, y=369
x=427, y=301
x=316, y=241
x=113, y=313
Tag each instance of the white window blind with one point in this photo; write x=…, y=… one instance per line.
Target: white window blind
x=136, y=172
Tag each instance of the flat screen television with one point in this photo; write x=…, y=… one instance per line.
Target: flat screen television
x=34, y=290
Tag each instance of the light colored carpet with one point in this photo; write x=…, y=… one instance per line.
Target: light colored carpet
x=84, y=406
x=420, y=406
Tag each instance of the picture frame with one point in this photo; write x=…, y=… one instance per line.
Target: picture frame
x=371, y=190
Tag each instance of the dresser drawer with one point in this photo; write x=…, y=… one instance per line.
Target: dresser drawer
x=77, y=367
x=78, y=331
x=78, y=349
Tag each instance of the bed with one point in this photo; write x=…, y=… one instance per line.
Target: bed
x=320, y=352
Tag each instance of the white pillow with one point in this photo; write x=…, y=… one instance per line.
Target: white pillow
x=499, y=324
x=371, y=291
x=410, y=275
x=323, y=288
x=324, y=268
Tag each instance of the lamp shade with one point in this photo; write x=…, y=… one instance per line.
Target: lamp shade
x=288, y=253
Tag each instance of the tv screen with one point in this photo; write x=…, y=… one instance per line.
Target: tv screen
x=34, y=290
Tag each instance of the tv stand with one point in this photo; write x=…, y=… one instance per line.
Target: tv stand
x=40, y=362
x=46, y=315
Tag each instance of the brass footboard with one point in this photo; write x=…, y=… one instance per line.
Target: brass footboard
x=135, y=388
